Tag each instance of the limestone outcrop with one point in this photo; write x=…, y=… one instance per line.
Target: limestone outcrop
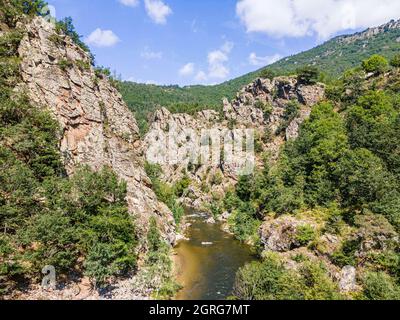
x=97, y=128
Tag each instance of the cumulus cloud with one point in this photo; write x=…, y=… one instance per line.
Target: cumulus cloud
x=157, y=10
x=217, y=61
x=263, y=61
x=102, y=38
x=298, y=18
x=187, y=69
x=130, y=3
x=151, y=55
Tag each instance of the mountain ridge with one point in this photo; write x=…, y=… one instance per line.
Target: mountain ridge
x=332, y=57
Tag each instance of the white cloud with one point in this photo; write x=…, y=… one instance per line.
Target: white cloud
x=298, y=18
x=201, y=76
x=151, y=55
x=187, y=69
x=263, y=61
x=102, y=38
x=157, y=10
x=217, y=61
x=130, y=3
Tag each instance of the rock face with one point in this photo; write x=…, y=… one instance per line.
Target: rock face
x=260, y=105
x=280, y=235
x=97, y=127
x=371, y=32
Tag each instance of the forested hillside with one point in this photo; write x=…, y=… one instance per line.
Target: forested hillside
x=332, y=58
x=331, y=203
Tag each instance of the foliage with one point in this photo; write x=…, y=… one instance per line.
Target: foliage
x=345, y=161
x=269, y=280
x=159, y=264
x=166, y=193
x=333, y=58
x=395, y=61
x=78, y=224
x=308, y=75
x=380, y=286
x=375, y=64
x=15, y=10
x=66, y=26
x=305, y=234
x=291, y=112
x=65, y=64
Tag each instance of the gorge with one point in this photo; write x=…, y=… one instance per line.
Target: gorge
x=84, y=191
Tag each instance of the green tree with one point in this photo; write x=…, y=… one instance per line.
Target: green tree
x=380, y=286
x=308, y=75
x=395, y=61
x=67, y=27
x=375, y=64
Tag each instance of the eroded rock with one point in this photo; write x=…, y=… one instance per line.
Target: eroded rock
x=97, y=127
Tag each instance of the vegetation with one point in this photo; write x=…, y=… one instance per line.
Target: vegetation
x=332, y=58
x=166, y=193
x=345, y=163
x=270, y=280
x=158, y=263
x=66, y=27
x=375, y=64
x=79, y=224
x=308, y=75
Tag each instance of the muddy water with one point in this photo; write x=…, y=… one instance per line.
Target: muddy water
x=209, y=261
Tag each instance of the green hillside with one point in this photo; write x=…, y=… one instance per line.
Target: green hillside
x=333, y=57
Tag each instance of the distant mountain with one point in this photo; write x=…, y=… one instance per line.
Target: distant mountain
x=332, y=57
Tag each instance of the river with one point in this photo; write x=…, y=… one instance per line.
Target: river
x=208, y=261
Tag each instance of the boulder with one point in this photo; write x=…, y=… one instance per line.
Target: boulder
x=348, y=281
x=280, y=235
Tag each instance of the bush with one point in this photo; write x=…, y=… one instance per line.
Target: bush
x=267, y=280
x=305, y=234
x=268, y=74
x=395, y=62
x=244, y=223
x=65, y=64
x=380, y=286
x=375, y=64
x=165, y=193
x=308, y=75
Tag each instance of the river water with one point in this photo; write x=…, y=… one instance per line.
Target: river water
x=209, y=261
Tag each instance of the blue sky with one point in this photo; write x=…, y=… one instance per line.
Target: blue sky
x=210, y=41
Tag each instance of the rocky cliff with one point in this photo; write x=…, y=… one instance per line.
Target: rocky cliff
x=97, y=127
x=263, y=105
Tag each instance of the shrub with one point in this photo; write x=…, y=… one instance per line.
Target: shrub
x=268, y=74
x=65, y=64
x=308, y=75
x=380, y=286
x=267, y=280
x=305, y=234
x=244, y=223
x=395, y=62
x=9, y=43
x=375, y=64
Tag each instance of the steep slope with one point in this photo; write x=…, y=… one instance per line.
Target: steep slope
x=274, y=109
x=333, y=57
x=97, y=128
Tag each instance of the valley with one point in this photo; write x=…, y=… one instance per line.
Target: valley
x=104, y=181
